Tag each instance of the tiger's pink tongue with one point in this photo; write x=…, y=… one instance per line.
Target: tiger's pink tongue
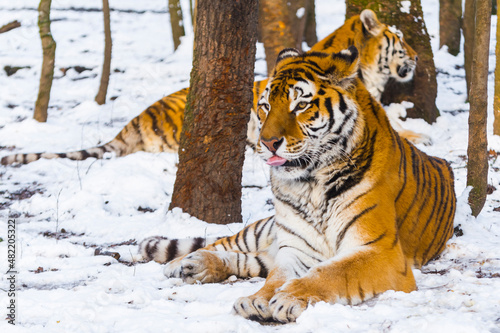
x=276, y=161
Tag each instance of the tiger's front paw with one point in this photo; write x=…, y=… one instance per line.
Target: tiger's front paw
x=286, y=308
x=199, y=266
x=253, y=307
x=291, y=300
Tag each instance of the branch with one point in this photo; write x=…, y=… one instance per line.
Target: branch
x=10, y=26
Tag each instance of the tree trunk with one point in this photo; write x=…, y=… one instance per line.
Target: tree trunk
x=422, y=90
x=49, y=54
x=477, y=150
x=450, y=22
x=468, y=29
x=106, y=65
x=298, y=15
x=212, y=144
x=191, y=10
x=496, y=99
x=174, y=8
x=276, y=30
x=310, y=36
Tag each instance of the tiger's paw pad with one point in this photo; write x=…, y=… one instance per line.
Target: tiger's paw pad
x=286, y=308
x=253, y=308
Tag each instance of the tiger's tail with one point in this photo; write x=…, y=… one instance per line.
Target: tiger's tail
x=163, y=250
x=114, y=146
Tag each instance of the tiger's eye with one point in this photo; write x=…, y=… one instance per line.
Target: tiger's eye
x=302, y=105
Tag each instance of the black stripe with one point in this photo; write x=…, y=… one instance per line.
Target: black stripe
x=198, y=243
x=290, y=231
x=172, y=250
x=341, y=235
x=342, y=104
x=263, y=269
x=245, y=233
x=329, y=108
x=402, y=163
x=361, y=292
x=376, y=239
x=151, y=250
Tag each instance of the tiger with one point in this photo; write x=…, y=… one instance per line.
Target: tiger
x=383, y=55
x=356, y=205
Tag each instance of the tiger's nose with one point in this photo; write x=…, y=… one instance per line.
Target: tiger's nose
x=272, y=144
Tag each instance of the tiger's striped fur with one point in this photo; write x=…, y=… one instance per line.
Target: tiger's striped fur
x=384, y=54
x=157, y=129
x=357, y=206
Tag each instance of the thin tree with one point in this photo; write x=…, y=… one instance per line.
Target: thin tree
x=450, y=22
x=422, y=90
x=303, y=22
x=276, y=29
x=496, y=99
x=49, y=54
x=174, y=8
x=310, y=36
x=477, y=150
x=468, y=23
x=100, y=98
x=212, y=144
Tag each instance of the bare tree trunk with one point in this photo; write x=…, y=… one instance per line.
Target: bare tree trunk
x=49, y=54
x=174, y=8
x=496, y=99
x=422, y=90
x=212, y=145
x=450, y=22
x=310, y=36
x=468, y=29
x=298, y=15
x=477, y=151
x=276, y=30
x=106, y=65
x=191, y=10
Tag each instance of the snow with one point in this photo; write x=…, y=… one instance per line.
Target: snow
x=405, y=6
x=63, y=287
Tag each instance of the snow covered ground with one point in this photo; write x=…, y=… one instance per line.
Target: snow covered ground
x=64, y=210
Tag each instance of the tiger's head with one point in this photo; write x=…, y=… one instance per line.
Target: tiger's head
x=383, y=49
x=308, y=114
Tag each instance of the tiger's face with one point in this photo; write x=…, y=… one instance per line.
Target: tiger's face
x=384, y=49
x=307, y=113
x=403, y=59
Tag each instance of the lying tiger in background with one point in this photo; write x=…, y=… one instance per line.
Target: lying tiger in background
x=383, y=55
x=356, y=205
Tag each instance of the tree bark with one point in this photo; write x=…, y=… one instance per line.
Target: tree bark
x=450, y=22
x=100, y=98
x=496, y=99
x=174, y=8
x=276, y=29
x=477, y=150
x=310, y=36
x=422, y=90
x=298, y=16
x=49, y=54
x=212, y=144
x=9, y=26
x=468, y=24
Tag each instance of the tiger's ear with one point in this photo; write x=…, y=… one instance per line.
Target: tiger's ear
x=344, y=69
x=371, y=22
x=287, y=53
